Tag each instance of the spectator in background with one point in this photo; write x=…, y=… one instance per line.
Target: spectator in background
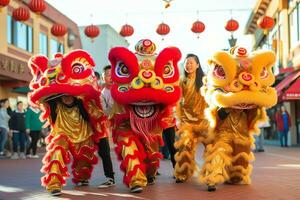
x=98, y=79
x=283, y=122
x=103, y=144
x=4, y=128
x=17, y=126
x=33, y=128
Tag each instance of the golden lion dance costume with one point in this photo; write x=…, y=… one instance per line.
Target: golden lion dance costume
x=145, y=89
x=71, y=74
x=237, y=90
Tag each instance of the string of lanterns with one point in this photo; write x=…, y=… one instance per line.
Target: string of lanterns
x=59, y=30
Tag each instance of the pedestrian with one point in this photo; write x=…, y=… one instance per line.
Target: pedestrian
x=33, y=128
x=103, y=144
x=18, y=130
x=190, y=114
x=259, y=139
x=283, y=123
x=4, y=128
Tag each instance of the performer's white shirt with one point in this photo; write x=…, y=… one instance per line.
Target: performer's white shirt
x=106, y=101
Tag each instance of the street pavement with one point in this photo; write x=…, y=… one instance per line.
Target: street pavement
x=276, y=176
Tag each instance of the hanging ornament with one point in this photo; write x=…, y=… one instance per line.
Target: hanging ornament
x=232, y=25
x=3, y=3
x=21, y=14
x=168, y=3
x=163, y=29
x=37, y=6
x=266, y=23
x=198, y=27
x=58, y=30
x=92, y=31
x=126, y=30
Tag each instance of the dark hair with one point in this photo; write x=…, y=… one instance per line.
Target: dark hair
x=107, y=67
x=199, y=71
x=97, y=75
x=19, y=102
x=2, y=101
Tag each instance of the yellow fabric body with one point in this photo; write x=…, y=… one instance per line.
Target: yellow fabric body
x=70, y=122
x=228, y=157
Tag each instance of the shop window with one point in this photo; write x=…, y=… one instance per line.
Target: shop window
x=19, y=34
x=293, y=21
x=43, y=41
x=9, y=29
x=56, y=47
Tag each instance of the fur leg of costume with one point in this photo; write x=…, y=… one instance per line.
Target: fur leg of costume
x=131, y=153
x=190, y=135
x=55, y=161
x=217, y=160
x=84, y=158
x=185, y=157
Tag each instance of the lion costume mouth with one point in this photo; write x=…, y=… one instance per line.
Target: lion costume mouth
x=244, y=99
x=145, y=109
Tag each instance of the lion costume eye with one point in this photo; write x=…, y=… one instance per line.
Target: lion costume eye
x=264, y=73
x=168, y=71
x=77, y=68
x=122, y=70
x=219, y=72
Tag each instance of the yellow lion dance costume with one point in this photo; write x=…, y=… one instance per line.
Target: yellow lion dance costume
x=237, y=90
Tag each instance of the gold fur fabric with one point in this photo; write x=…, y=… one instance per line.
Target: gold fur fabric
x=237, y=89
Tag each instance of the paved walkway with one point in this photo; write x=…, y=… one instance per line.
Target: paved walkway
x=276, y=176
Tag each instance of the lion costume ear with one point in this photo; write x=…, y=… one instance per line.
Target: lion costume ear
x=262, y=63
x=225, y=61
x=37, y=63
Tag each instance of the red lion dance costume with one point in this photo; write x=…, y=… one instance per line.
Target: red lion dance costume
x=71, y=74
x=145, y=90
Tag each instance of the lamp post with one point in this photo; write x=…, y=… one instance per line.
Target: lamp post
x=232, y=41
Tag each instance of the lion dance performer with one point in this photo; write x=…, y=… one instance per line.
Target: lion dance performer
x=193, y=126
x=66, y=89
x=237, y=90
x=145, y=90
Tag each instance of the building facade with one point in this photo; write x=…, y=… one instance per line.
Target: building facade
x=102, y=44
x=20, y=40
x=284, y=39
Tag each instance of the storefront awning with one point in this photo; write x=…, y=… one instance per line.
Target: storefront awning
x=293, y=92
x=24, y=90
x=286, y=82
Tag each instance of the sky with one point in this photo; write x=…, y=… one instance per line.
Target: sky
x=145, y=15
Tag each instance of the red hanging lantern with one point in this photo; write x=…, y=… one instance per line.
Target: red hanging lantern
x=3, y=3
x=21, y=14
x=163, y=29
x=198, y=27
x=126, y=30
x=266, y=23
x=37, y=6
x=58, y=30
x=232, y=25
x=92, y=31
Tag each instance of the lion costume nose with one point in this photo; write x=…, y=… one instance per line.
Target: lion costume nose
x=246, y=78
x=147, y=78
